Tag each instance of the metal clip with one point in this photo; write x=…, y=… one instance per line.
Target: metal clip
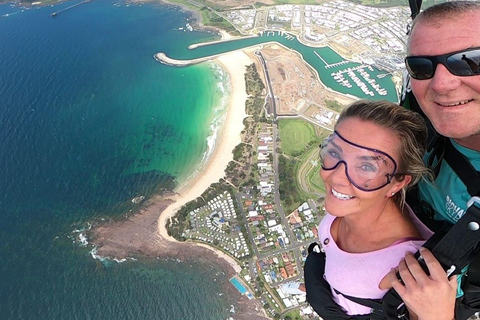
x=472, y=201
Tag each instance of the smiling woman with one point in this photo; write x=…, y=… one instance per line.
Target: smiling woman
x=374, y=154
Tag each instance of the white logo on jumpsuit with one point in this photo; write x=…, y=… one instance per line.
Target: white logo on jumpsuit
x=452, y=210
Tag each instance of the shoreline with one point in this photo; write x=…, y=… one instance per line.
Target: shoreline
x=144, y=233
x=153, y=214
x=234, y=64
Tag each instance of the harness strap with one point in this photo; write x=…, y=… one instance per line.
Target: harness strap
x=377, y=312
x=459, y=246
x=454, y=249
x=463, y=168
x=414, y=7
x=436, y=150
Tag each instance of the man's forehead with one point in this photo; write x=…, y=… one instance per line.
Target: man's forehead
x=438, y=36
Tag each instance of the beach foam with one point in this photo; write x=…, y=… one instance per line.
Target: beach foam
x=235, y=64
x=219, y=118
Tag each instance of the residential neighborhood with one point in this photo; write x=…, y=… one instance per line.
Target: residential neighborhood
x=251, y=222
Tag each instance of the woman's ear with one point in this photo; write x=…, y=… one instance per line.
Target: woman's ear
x=399, y=184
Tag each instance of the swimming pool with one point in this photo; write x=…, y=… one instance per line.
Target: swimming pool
x=238, y=285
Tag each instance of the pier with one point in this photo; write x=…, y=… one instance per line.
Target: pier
x=327, y=65
x=162, y=58
x=56, y=13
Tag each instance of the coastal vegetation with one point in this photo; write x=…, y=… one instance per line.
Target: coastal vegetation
x=180, y=222
x=240, y=172
x=211, y=18
x=298, y=164
x=334, y=105
x=253, y=81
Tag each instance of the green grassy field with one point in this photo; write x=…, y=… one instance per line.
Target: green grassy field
x=295, y=135
x=299, y=144
x=314, y=179
x=307, y=171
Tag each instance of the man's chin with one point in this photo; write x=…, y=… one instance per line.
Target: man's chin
x=462, y=135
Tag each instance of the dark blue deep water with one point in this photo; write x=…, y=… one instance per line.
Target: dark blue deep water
x=88, y=120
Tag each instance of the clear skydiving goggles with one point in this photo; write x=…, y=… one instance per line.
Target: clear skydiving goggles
x=366, y=168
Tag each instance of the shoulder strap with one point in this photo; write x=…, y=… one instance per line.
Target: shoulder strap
x=375, y=304
x=458, y=247
x=414, y=7
x=414, y=11
x=463, y=168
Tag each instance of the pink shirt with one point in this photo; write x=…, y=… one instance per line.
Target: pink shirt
x=359, y=274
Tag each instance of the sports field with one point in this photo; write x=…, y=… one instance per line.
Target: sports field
x=296, y=135
x=299, y=142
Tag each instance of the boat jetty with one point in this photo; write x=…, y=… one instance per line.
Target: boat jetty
x=56, y=13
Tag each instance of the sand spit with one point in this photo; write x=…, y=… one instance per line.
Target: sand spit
x=144, y=233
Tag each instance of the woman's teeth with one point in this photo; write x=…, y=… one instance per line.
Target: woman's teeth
x=341, y=196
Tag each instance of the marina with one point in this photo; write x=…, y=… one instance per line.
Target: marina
x=364, y=81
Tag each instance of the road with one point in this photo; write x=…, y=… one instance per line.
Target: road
x=269, y=85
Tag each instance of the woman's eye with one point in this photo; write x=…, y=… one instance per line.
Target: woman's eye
x=368, y=167
x=333, y=154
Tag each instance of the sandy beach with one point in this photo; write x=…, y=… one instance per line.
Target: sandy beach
x=234, y=64
x=163, y=207
x=144, y=233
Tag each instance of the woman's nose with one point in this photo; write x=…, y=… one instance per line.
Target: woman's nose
x=339, y=174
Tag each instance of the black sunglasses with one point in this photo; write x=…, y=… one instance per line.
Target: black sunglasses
x=459, y=63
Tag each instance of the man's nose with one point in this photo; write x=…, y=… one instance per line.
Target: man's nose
x=443, y=80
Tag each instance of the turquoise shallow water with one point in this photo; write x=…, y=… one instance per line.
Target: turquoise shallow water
x=88, y=120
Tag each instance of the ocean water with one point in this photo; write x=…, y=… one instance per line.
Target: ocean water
x=88, y=120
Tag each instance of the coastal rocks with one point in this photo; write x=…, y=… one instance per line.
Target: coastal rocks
x=138, y=199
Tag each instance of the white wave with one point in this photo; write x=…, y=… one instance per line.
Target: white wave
x=211, y=139
x=220, y=87
x=211, y=142
x=96, y=256
x=223, y=84
x=83, y=239
x=85, y=228
x=226, y=89
x=219, y=116
x=104, y=260
x=217, y=71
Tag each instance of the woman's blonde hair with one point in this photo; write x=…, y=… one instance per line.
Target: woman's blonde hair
x=410, y=129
